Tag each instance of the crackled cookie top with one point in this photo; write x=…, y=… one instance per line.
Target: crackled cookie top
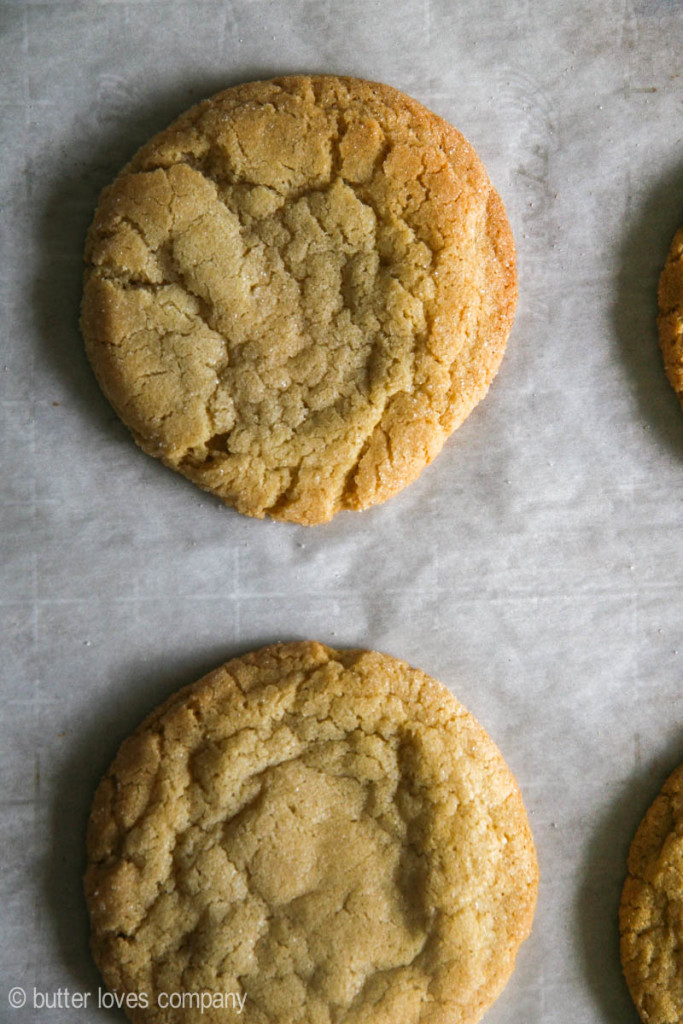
x=651, y=913
x=670, y=321
x=329, y=834
x=297, y=291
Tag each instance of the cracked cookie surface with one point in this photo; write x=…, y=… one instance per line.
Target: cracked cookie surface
x=328, y=833
x=670, y=319
x=297, y=291
x=651, y=911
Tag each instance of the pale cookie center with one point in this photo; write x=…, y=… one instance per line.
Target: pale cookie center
x=333, y=883
x=301, y=885
x=318, y=329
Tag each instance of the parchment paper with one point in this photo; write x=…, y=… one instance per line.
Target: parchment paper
x=536, y=567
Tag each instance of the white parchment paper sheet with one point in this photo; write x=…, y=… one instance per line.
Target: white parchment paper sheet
x=536, y=567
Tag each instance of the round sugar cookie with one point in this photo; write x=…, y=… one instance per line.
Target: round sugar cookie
x=297, y=291
x=670, y=319
x=321, y=836
x=651, y=911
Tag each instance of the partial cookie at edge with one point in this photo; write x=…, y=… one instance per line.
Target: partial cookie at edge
x=670, y=319
x=651, y=910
